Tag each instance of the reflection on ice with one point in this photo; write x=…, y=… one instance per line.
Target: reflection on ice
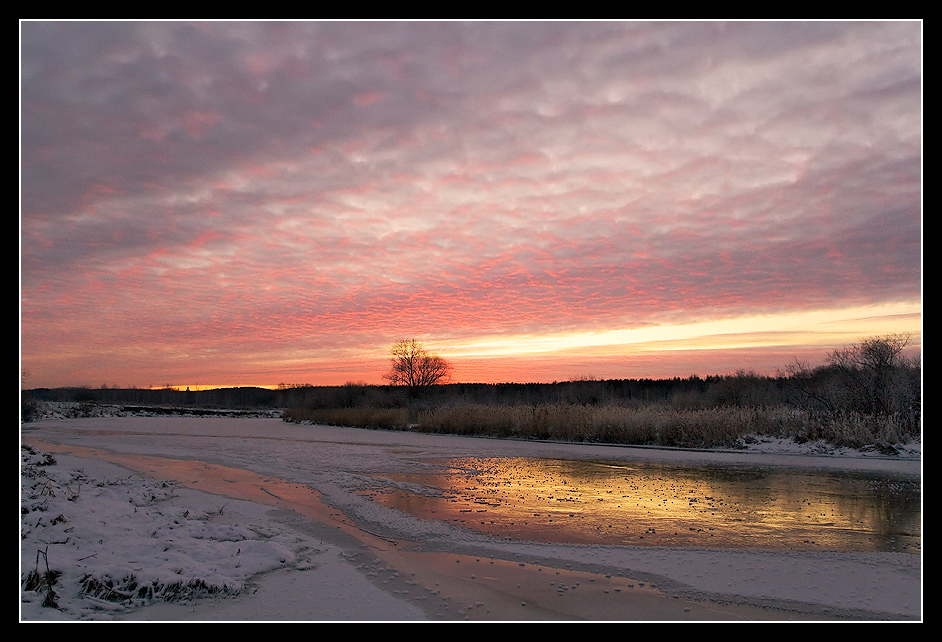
x=657, y=505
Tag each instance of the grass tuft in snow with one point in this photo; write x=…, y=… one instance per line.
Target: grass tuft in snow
x=129, y=589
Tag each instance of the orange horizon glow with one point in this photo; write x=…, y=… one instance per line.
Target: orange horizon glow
x=819, y=327
x=764, y=345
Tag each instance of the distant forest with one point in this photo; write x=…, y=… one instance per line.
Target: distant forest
x=690, y=392
x=866, y=393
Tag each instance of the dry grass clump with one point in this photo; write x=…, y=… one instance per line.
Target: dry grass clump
x=855, y=430
x=658, y=424
x=43, y=582
x=649, y=424
x=642, y=425
x=129, y=589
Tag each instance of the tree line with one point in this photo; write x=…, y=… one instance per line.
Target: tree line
x=865, y=395
x=870, y=383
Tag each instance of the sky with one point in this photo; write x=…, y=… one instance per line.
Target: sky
x=255, y=203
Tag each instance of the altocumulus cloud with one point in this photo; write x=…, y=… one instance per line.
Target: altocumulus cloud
x=243, y=200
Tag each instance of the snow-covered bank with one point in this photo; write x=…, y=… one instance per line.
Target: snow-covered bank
x=122, y=541
x=116, y=523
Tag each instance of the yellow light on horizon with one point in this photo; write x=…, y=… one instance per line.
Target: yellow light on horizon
x=817, y=327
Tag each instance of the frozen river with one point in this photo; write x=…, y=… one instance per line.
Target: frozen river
x=650, y=504
x=720, y=535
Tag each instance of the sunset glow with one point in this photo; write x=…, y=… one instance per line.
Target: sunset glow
x=255, y=203
x=803, y=328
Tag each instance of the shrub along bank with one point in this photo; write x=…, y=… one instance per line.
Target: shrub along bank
x=865, y=394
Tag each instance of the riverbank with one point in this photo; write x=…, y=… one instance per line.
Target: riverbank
x=331, y=553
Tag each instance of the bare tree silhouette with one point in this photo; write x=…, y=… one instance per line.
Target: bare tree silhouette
x=415, y=367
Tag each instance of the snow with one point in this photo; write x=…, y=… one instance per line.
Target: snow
x=148, y=544
x=123, y=523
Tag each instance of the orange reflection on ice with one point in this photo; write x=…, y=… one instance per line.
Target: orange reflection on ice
x=651, y=505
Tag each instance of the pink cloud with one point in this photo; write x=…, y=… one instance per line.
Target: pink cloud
x=200, y=193
x=366, y=98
